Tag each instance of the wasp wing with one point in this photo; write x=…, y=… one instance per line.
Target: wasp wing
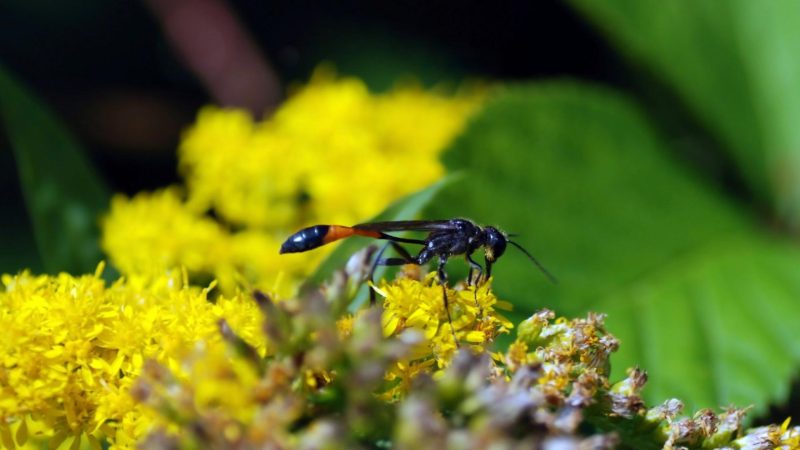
x=408, y=225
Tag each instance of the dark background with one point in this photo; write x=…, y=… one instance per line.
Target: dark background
x=114, y=77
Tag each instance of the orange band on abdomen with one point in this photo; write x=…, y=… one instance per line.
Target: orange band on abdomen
x=336, y=232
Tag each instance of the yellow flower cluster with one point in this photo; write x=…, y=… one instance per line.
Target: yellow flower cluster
x=472, y=321
x=194, y=242
x=333, y=153
x=72, y=348
x=260, y=401
x=156, y=231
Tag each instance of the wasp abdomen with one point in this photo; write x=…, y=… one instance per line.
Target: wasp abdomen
x=306, y=239
x=318, y=235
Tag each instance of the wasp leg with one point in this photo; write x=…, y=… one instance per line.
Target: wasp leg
x=473, y=266
x=406, y=258
x=488, y=269
x=477, y=267
x=443, y=281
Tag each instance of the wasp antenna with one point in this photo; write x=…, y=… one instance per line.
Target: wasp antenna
x=512, y=235
x=535, y=261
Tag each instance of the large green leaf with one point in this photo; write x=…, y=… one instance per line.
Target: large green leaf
x=697, y=292
x=735, y=64
x=63, y=193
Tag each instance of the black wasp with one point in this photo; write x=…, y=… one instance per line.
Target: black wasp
x=445, y=238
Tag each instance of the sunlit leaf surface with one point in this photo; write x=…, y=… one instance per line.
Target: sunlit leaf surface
x=735, y=65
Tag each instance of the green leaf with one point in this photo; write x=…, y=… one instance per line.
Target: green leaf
x=63, y=193
x=735, y=65
x=693, y=287
x=403, y=209
x=16, y=241
x=736, y=340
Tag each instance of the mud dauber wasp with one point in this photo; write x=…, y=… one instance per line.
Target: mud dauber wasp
x=445, y=238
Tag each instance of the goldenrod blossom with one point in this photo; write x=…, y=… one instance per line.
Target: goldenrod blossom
x=73, y=346
x=152, y=232
x=332, y=153
x=419, y=304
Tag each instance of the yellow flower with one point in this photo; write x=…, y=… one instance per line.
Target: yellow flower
x=518, y=355
x=332, y=153
x=419, y=305
x=345, y=326
x=155, y=231
x=325, y=156
x=219, y=379
x=563, y=348
x=789, y=437
x=73, y=346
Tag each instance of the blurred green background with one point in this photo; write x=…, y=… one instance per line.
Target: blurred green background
x=646, y=152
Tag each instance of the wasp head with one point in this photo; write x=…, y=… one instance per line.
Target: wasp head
x=495, y=243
